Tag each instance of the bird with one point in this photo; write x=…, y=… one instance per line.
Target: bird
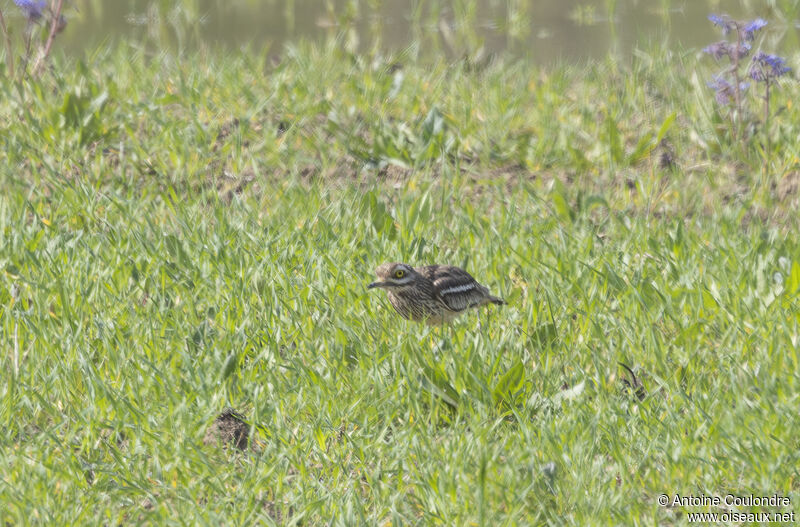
x=434, y=294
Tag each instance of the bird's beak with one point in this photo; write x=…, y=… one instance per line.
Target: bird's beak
x=376, y=284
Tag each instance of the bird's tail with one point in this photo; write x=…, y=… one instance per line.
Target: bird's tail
x=497, y=301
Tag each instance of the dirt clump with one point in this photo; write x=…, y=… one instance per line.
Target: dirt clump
x=229, y=428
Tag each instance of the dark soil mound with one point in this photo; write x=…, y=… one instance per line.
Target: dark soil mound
x=229, y=428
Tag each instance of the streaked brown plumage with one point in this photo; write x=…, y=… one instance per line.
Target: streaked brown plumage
x=434, y=294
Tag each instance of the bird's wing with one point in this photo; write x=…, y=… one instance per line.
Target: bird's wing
x=454, y=287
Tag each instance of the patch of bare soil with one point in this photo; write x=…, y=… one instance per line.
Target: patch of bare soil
x=228, y=429
x=788, y=186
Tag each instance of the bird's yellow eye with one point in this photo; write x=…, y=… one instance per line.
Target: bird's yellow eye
x=399, y=273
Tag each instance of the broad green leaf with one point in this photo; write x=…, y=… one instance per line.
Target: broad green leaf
x=642, y=149
x=793, y=282
x=230, y=365
x=614, y=141
x=544, y=335
x=665, y=126
x=437, y=384
x=708, y=301
x=594, y=201
x=559, y=199
x=510, y=384
x=614, y=279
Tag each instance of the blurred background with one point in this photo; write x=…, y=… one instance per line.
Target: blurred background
x=540, y=30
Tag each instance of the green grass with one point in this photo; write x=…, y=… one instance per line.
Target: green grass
x=191, y=234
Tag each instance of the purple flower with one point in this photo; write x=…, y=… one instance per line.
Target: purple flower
x=751, y=27
x=766, y=67
x=32, y=9
x=724, y=48
x=718, y=49
x=724, y=90
x=717, y=20
x=722, y=21
x=742, y=51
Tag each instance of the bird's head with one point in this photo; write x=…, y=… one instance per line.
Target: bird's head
x=393, y=276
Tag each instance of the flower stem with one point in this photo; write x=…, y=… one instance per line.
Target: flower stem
x=736, y=86
x=766, y=126
x=54, y=23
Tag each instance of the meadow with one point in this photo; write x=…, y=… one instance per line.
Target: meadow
x=186, y=234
